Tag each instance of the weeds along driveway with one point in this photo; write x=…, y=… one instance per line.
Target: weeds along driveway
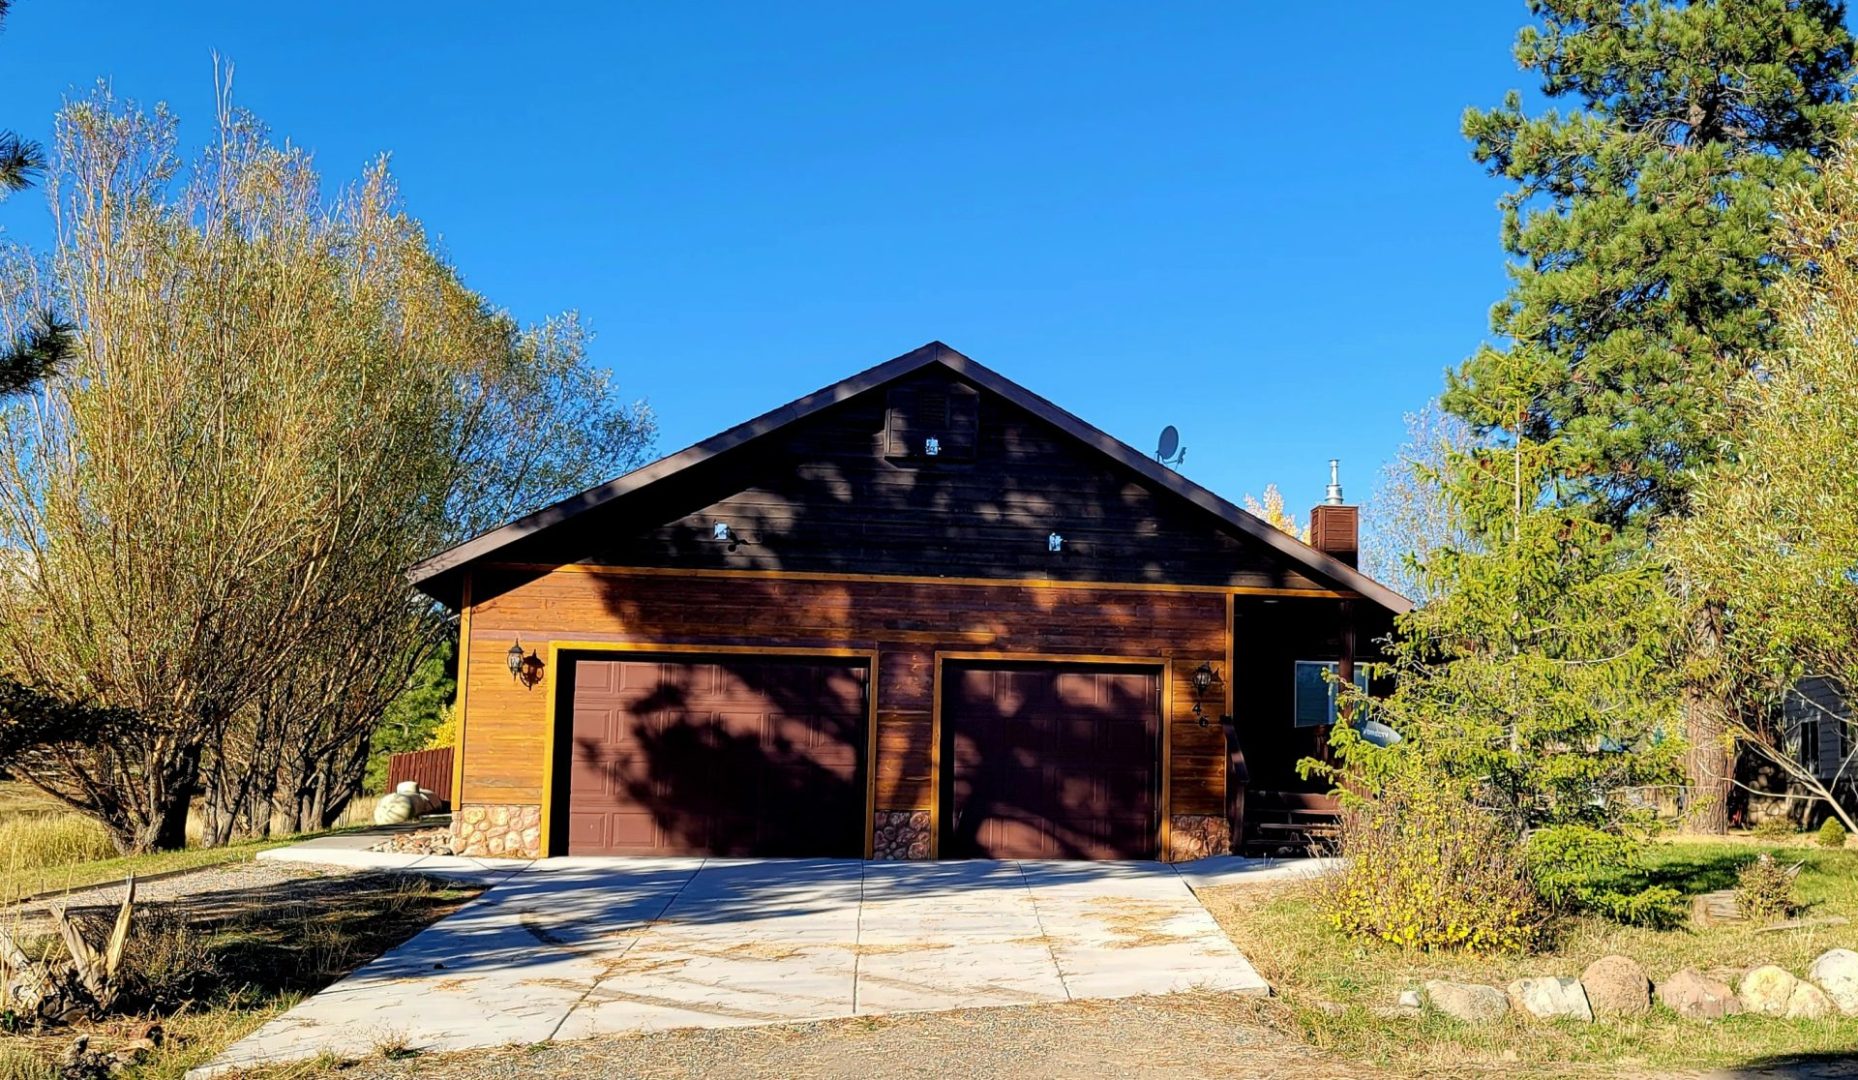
x=572, y=948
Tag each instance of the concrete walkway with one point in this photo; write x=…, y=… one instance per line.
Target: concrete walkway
x=570, y=948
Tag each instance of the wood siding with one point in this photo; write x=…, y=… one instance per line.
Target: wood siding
x=906, y=622
x=826, y=495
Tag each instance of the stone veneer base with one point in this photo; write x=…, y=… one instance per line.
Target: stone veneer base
x=498, y=830
x=1198, y=836
x=900, y=834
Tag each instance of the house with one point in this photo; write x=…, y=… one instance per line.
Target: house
x=921, y=613
x=1814, y=727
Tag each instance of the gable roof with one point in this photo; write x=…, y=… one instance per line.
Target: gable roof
x=439, y=576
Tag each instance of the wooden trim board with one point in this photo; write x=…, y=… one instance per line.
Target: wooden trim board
x=920, y=579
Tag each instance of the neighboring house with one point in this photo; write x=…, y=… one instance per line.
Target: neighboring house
x=920, y=613
x=1816, y=731
x=1817, y=720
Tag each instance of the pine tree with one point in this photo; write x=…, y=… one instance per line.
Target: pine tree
x=1641, y=229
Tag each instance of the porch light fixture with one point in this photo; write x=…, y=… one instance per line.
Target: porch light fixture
x=932, y=446
x=1054, y=543
x=721, y=533
x=1203, y=681
x=525, y=667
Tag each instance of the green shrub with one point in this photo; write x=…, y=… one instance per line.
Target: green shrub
x=1428, y=870
x=1577, y=868
x=1832, y=834
x=1779, y=827
x=1764, y=888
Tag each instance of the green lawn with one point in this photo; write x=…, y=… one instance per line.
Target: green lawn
x=1330, y=982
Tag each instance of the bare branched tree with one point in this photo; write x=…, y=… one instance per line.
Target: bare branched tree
x=276, y=403
x=1407, y=518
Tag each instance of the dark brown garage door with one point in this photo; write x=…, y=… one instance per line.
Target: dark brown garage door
x=717, y=755
x=1051, y=762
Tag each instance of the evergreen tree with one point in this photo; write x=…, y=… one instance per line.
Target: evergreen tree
x=1642, y=234
x=21, y=160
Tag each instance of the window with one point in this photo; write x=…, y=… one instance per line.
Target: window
x=1315, y=702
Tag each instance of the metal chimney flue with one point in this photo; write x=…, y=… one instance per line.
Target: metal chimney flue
x=1335, y=527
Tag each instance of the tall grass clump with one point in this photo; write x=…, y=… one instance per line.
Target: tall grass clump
x=36, y=841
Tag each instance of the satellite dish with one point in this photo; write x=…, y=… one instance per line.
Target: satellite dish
x=1169, y=450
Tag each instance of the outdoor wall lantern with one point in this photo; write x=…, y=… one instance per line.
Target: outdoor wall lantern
x=1203, y=681
x=525, y=668
x=932, y=446
x=721, y=533
x=1054, y=543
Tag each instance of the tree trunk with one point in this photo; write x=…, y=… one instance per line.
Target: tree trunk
x=167, y=829
x=1709, y=765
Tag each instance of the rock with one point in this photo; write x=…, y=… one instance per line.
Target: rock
x=1409, y=999
x=393, y=809
x=1694, y=996
x=1393, y=1012
x=132, y=1053
x=1469, y=1002
x=1551, y=998
x=1767, y=990
x=1808, y=1002
x=1836, y=972
x=1617, y=986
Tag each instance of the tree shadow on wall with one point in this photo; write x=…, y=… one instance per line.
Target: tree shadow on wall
x=825, y=498
x=1050, y=767
x=747, y=756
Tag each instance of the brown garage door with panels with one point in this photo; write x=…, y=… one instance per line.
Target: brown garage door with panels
x=1051, y=761
x=717, y=755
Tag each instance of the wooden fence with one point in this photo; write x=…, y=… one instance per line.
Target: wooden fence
x=432, y=769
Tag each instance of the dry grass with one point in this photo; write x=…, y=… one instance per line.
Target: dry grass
x=1316, y=969
x=37, y=839
x=211, y=973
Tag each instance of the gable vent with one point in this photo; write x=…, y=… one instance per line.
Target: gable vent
x=948, y=413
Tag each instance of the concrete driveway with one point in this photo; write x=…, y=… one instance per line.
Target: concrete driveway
x=570, y=948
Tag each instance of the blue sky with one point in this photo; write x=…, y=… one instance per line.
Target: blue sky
x=1257, y=222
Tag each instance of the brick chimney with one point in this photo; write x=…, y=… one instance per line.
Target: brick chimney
x=1335, y=528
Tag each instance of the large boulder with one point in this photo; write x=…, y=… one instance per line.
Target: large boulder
x=1551, y=999
x=395, y=808
x=1469, y=1002
x=1809, y=1002
x=1695, y=996
x=1617, y=986
x=1767, y=990
x=1836, y=972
